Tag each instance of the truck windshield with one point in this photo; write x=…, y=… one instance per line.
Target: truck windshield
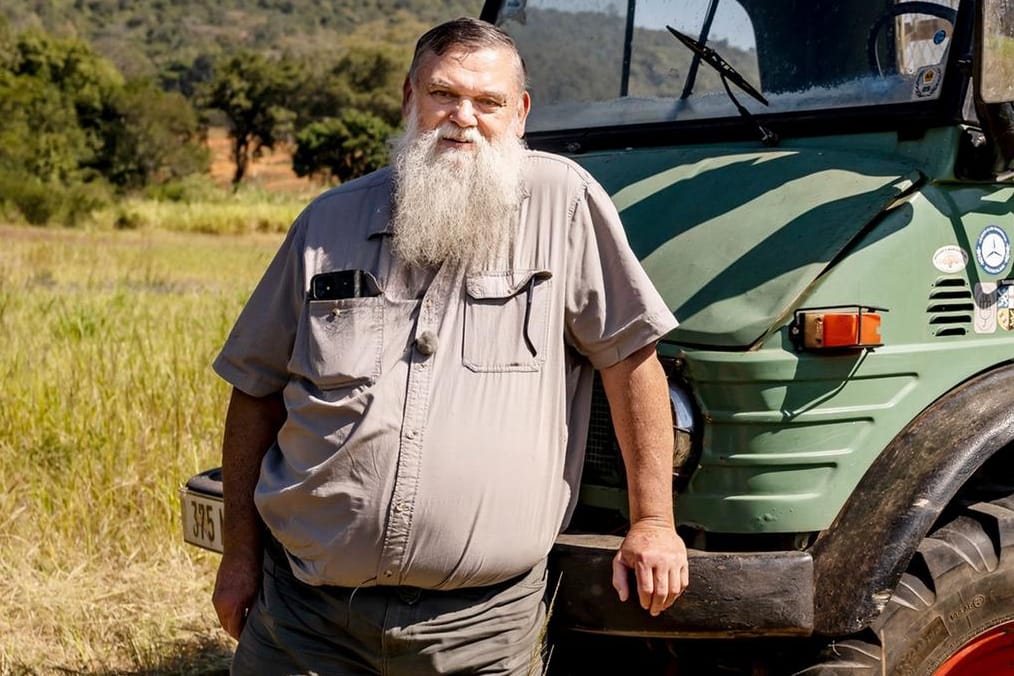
x=607, y=63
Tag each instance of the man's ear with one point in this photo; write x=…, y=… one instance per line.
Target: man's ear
x=406, y=97
x=524, y=105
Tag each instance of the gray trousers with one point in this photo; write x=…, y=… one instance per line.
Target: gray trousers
x=295, y=628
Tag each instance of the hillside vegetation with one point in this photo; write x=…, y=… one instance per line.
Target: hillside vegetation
x=152, y=37
x=102, y=102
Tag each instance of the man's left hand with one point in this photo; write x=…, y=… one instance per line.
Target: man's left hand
x=658, y=557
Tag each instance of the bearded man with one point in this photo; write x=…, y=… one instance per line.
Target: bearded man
x=412, y=380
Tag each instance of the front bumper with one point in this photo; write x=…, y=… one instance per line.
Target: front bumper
x=730, y=594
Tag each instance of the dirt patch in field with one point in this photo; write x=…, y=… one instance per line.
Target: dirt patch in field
x=271, y=171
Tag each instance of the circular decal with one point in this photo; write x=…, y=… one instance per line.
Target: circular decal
x=992, y=249
x=939, y=36
x=950, y=259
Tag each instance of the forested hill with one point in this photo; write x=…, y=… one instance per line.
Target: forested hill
x=105, y=98
x=147, y=37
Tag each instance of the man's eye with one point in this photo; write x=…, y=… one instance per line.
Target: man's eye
x=442, y=96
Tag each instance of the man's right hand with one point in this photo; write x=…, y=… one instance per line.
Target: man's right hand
x=236, y=588
x=251, y=426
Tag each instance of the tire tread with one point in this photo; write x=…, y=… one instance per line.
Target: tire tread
x=975, y=542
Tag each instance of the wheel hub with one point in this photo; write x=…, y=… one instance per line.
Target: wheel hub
x=988, y=653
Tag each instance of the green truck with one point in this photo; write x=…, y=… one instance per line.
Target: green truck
x=823, y=192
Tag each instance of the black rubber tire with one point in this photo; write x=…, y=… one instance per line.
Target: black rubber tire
x=960, y=584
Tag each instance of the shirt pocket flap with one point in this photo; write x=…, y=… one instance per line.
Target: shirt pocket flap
x=485, y=285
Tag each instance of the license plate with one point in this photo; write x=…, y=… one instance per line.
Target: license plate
x=202, y=520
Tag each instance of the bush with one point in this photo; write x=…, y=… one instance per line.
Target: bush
x=36, y=203
x=80, y=200
x=40, y=203
x=351, y=145
x=189, y=189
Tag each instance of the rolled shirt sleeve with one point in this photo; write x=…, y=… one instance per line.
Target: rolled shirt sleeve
x=256, y=354
x=611, y=307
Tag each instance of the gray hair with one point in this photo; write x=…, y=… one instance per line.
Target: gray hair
x=471, y=34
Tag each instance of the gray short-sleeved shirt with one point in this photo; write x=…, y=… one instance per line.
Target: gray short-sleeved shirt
x=435, y=431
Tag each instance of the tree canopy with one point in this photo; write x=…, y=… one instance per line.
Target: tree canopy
x=345, y=147
x=68, y=119
x=254, y=93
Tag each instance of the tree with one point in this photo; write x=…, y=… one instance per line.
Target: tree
x=153, y=136
x=187, y=77
x=353, y=144
x=253, y=92
x=368, y=77
x=53, y=100
x=69, y=127
x=85, y=79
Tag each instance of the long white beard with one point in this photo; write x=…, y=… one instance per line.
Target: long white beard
x=454, y=205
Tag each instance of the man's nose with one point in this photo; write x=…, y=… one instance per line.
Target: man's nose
x=463, y=114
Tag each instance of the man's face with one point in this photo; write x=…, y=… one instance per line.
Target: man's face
x=469, y=89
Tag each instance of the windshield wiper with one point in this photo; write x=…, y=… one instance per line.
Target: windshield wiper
x=726, y=74
x=702, y=39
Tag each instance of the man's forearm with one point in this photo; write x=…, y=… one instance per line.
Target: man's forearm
x=251, y=426
x=639, y=405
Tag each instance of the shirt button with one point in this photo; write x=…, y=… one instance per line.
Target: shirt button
x=426, y=343
x=410, y=434
x=388, y=573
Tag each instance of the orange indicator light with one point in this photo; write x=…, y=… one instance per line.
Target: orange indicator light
x=839, y=329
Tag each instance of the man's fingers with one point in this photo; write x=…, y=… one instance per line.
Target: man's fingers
x=658, y=559
x=235, y=623
x=657, y=587
x=645, y=583
x=675, y=588
x=236, y=587
x=231, y=616
x=238, y=622
x=664, y=589
x=660, y=591
x=620, y=583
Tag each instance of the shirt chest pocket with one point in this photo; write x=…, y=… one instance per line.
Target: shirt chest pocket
x=506, y=323
x=341, y=342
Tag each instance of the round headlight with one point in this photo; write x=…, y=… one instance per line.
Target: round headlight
x=684, y=428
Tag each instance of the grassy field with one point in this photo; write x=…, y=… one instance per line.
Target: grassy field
x=108, y=402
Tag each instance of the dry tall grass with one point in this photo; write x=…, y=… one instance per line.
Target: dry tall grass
x=107, y=403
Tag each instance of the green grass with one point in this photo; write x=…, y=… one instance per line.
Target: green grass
x=108, y=402
x=193, y=205
x=197, y=206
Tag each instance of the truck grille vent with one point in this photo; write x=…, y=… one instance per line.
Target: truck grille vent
x=950, y=307
x=603, y=464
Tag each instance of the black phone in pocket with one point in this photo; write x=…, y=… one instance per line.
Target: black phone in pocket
x=342, y=284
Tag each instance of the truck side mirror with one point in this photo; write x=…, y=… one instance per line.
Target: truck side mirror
x=994, y=76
